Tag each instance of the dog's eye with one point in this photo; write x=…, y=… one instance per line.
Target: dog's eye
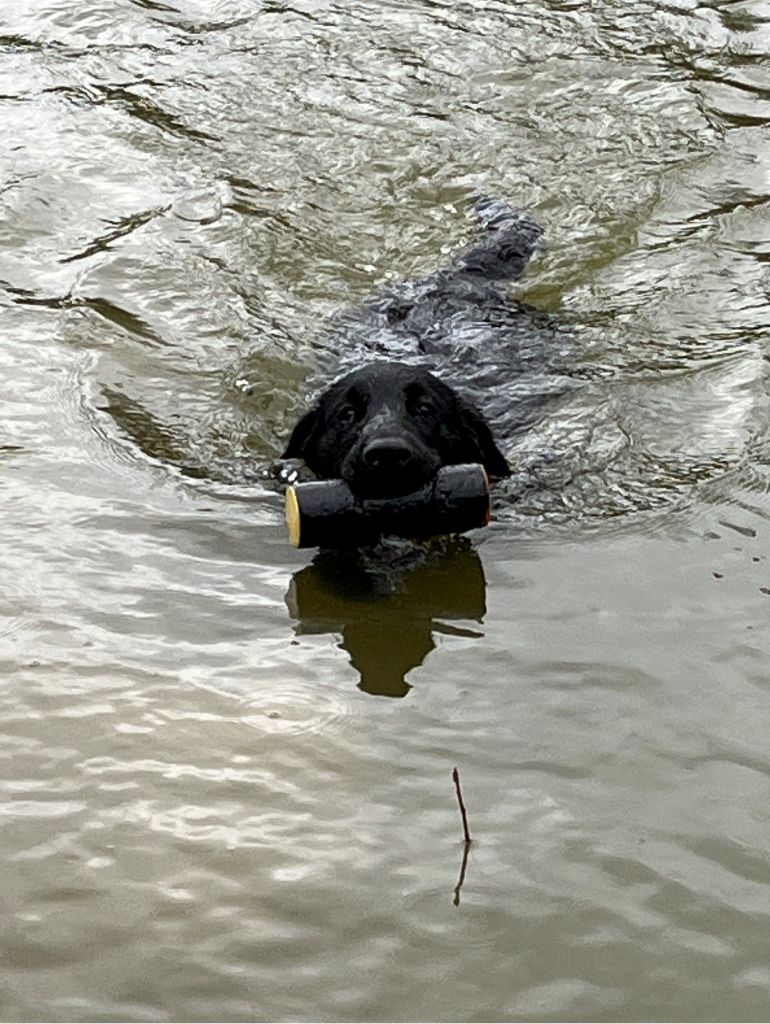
x=424, y=407
x=347, y=414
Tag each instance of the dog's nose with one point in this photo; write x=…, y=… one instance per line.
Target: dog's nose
x=387, y=453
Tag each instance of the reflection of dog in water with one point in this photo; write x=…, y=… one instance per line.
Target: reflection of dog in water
x=387, y=614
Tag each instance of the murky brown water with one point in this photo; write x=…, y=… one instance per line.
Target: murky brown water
x=215, y=805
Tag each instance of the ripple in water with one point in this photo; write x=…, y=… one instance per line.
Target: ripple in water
x=481, y=913
x=294, y=709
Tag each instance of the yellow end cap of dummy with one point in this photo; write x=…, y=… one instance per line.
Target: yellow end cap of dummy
x=293, y=517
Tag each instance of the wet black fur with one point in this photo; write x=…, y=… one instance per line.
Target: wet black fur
x=387, y=427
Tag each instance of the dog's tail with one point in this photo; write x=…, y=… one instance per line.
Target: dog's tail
x=509, y=240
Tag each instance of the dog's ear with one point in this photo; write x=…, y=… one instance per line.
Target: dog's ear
x=304, y=437
x=479, y=436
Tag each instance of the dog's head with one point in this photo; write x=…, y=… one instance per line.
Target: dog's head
x=386, y=430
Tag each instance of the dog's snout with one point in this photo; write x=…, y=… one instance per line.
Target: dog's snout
x=387, y=453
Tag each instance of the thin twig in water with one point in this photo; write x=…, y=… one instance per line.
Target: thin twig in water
x=456, y=778
x=461, y=879
x=466, y=834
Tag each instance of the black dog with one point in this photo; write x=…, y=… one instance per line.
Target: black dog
x=388, y=427
x=386, y=430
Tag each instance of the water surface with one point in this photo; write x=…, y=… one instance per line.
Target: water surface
x=226, y=786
